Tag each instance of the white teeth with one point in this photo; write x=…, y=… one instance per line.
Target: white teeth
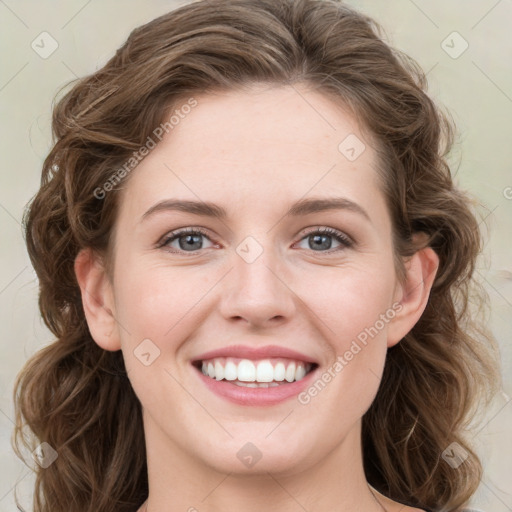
x=257, y=385
x=264, y=373
x=219, y=371
x=290, y=372
x=211, y=370
x=300, y=372
x=230, y=371
x=279, y=372
x=246, y=371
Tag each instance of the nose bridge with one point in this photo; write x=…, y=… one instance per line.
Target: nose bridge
x=256, y=288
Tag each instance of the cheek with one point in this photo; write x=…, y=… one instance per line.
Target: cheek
x=162, y=304
x=348, y=300
x=151, y=295
x=356, y=339
x=155, y=308
x=354, y=306
x=156, y=301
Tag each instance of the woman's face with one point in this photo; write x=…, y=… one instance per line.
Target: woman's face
x=261, y=276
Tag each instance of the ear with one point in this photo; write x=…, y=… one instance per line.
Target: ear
x=97, y=299
x=413, y=294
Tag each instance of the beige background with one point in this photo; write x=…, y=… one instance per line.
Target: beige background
x=476, y=87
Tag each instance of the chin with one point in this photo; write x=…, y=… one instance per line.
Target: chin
x=257, y=457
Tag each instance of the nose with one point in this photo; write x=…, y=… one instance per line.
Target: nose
x=257, y=292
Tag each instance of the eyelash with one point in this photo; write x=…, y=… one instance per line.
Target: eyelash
x=344, y=240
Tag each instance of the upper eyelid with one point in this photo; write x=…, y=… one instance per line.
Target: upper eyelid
x=183, y=231
x=302, y=233
x=326, y=230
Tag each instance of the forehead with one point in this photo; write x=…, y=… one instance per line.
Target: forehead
x=272, y=145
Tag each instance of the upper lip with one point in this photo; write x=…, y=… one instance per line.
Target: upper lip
x=255, y=353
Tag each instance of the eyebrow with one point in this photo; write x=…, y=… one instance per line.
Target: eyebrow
x=301, y=207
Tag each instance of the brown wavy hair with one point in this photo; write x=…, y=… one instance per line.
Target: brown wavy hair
x=77, y=397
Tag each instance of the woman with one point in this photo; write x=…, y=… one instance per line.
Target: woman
x=257, y=269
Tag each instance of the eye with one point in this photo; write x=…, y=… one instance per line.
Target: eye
x=189, y=240
x=318, y=240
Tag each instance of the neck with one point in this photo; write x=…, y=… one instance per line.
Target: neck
x=337, y=482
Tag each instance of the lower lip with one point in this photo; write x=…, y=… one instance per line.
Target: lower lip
x=256, y=396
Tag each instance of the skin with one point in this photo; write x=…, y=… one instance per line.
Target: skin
x=254, y=153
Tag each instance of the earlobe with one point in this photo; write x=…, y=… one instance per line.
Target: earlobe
x=413, y=294
x=97, y=299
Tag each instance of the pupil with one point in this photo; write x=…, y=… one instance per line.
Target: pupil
x=318, y=238
x=190, y=241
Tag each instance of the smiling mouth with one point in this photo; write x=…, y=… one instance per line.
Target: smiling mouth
x=263, y=373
